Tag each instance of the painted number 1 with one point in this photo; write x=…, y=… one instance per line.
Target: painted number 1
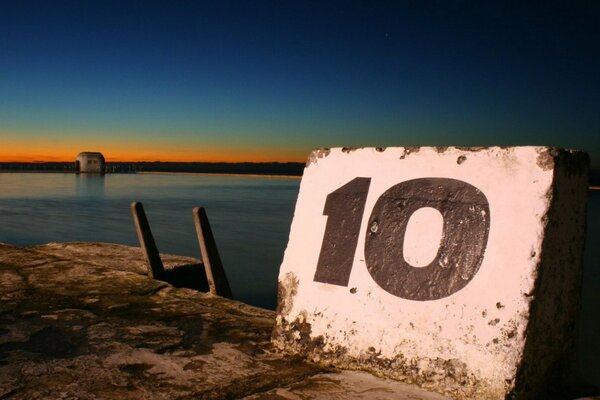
x=466, y=216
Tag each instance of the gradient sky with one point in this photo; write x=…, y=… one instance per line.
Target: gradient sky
x=269, y=81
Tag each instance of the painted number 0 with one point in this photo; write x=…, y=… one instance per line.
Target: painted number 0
x=466, y=214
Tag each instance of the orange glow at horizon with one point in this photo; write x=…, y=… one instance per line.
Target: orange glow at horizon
x=62, y=150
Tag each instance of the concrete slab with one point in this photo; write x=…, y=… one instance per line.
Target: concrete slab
x=83, y=321
x=347, y=385
x=458, y=269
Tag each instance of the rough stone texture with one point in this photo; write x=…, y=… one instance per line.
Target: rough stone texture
x=347, y=385
x=507, y=333
x=83, y=321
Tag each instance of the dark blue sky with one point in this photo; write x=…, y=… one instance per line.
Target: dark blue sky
x=271, y=80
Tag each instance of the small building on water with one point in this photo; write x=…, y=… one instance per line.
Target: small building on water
x=90, y=162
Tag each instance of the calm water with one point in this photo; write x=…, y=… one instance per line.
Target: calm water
x=250, y=217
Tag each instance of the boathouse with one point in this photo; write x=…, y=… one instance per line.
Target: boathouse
x=90, y=162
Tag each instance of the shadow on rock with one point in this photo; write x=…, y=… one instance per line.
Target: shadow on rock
x=191, y=276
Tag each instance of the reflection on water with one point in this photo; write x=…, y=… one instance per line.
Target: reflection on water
x=250, y=217
x=89, y=185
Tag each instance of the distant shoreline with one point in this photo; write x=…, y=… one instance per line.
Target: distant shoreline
x=227, y=174
x=246, y=168
x=273, y=176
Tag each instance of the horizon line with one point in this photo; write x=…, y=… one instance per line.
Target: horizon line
x=154, y=161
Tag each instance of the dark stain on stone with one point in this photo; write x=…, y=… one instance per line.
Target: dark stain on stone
x=441, y=149
x=353, y=290
x=461, y=159
x=199, y=334
x=50, y=342
x=533, y=254
x=286, y=290
x=450, y=377
x=447, y=376
x=408, y=151
x=152, y=290
x=473, y=149
x=316, y=154
x=349, y=149
x=134, y=308
x=297, y=334
x=380, y=149
x=195, y=365
x=291, y=372
x=499, y=305
x=135, y=369
x=305, y=341
x=316, y=384
x=546, y=158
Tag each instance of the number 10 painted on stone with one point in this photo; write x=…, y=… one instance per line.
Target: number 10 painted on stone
x=466, y=216
x=458, y=269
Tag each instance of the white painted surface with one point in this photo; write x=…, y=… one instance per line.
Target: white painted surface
x=482, y=326
x=423, y=236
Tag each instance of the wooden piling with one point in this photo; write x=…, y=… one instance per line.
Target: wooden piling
x=156, y=269
x=215, y=274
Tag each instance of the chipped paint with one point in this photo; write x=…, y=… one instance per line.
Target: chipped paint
x=317, y=154
x=458, y=381
x=472, y=149
x=546, y=157
x=407, y=151
x=286, y=292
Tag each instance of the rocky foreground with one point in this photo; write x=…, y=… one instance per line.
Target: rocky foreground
x=83, y=321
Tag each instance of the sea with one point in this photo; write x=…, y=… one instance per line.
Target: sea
x=250, y=217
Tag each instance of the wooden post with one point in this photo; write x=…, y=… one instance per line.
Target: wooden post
x=215, y=274
x=155, y=265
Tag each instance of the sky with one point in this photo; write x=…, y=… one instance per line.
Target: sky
x=270, y=80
